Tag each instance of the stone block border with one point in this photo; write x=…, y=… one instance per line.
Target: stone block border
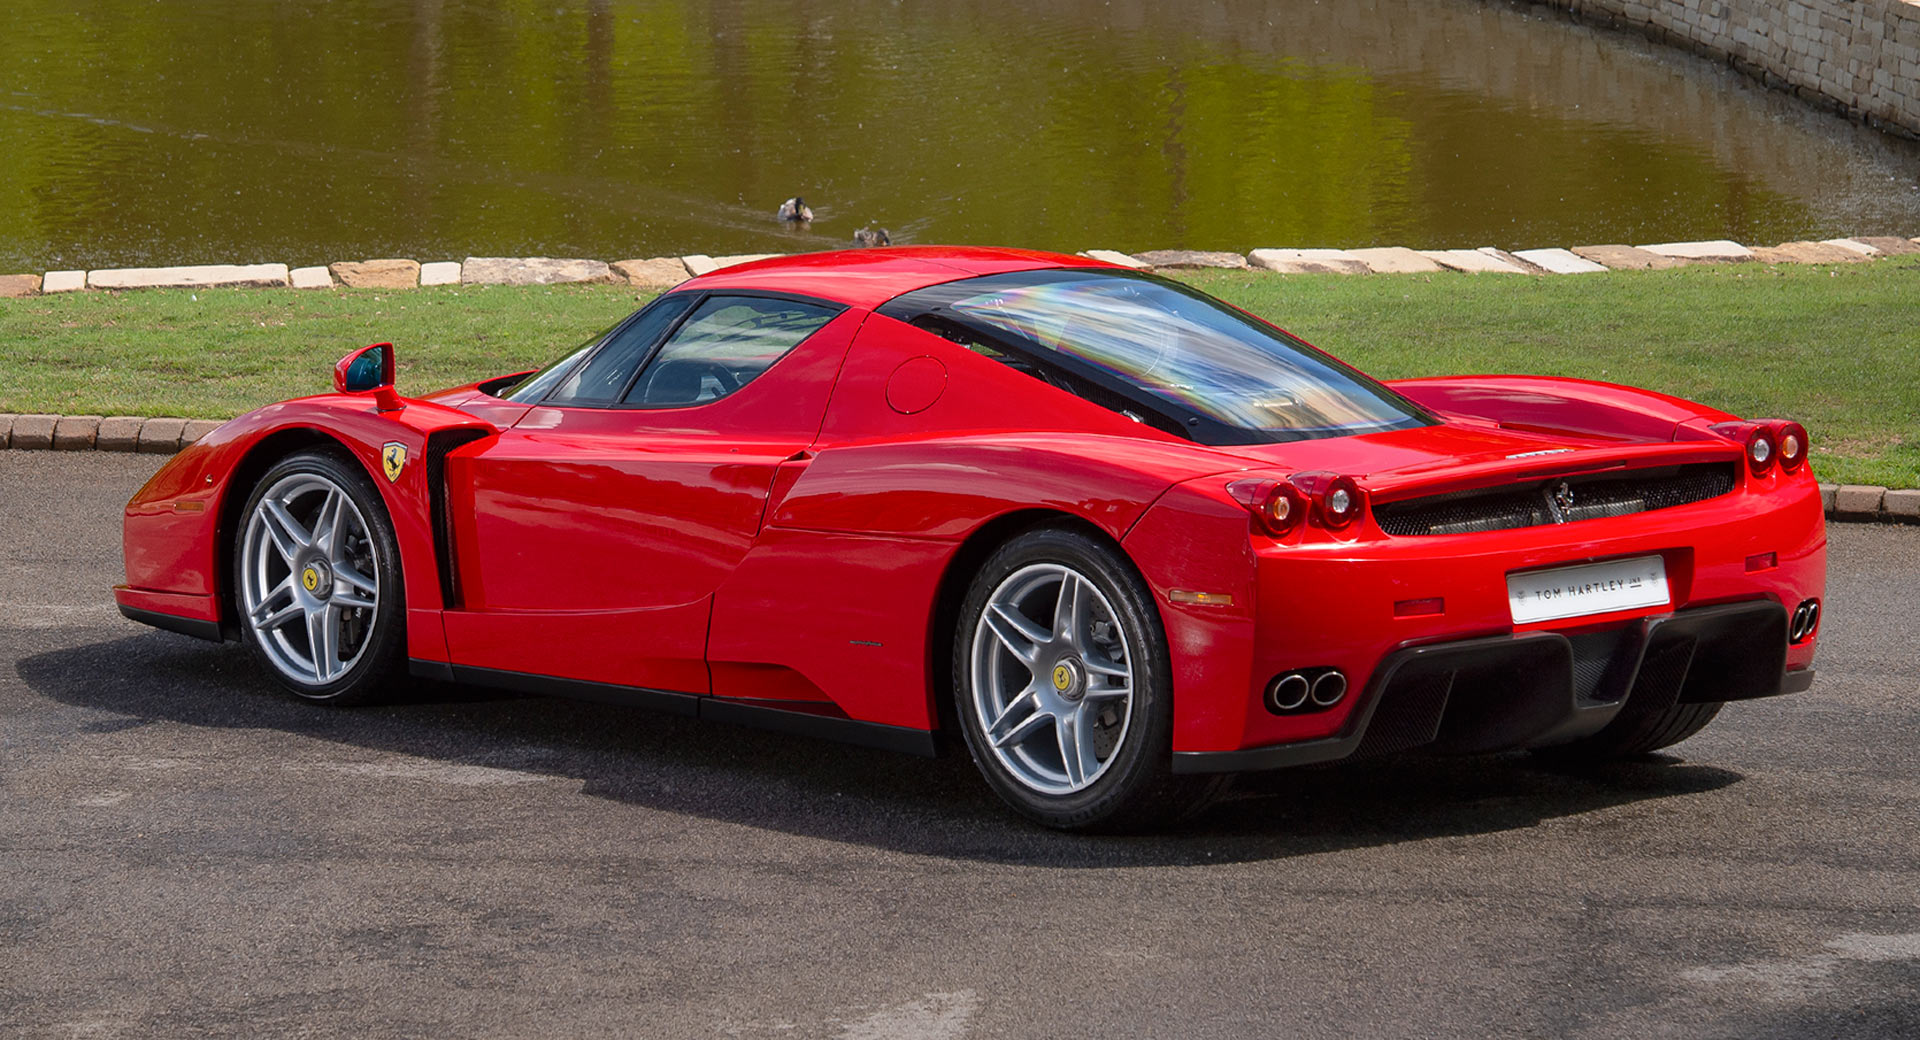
x=130, y=433
x=665, y=272
x=165, y=436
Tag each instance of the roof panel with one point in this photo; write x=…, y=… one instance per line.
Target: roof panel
x=870, y=277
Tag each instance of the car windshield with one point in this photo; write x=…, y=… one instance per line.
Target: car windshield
x=532, y=388
x=1207, y=361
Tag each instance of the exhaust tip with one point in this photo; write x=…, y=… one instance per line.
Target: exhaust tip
x=1806, y=618
x=1329, y=688
x=1288, y=692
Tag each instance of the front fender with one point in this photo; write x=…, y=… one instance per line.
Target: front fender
x=177, y=527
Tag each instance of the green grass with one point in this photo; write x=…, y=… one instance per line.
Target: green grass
x=1834, y=347
x=214, y=353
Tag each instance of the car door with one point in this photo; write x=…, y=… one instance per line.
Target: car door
x=590, y=537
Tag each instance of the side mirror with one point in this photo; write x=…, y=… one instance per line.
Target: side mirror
x=368, y=370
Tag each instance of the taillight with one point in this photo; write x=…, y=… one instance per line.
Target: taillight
x=1342, y=503
x=1277, y=506
x=1337, y=501
x=1758, y=439
x=1790, y=439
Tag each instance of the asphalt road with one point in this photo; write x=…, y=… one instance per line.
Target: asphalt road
x=186, y=852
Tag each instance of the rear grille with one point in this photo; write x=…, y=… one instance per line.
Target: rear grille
x=1542, y=502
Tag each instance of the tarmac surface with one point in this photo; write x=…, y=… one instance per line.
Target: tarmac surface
x=185, y=851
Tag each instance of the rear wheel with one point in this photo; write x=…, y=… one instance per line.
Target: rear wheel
x=317, y=580
x=1064, y=687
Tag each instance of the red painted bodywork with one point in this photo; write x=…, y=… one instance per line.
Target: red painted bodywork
x=791, y=543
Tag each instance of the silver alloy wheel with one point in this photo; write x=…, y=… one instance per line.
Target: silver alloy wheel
x=1054, y=697
x=309, y=582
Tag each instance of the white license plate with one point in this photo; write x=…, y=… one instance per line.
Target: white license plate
x=1591, y=588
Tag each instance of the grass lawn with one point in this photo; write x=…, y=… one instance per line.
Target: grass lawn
x=1837, y=348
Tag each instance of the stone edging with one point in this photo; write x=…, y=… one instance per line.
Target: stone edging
x=1870, y=502
x=164, y=436
x=160, y=436
x=664, y=272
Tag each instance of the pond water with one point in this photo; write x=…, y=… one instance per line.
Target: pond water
x=138, y=132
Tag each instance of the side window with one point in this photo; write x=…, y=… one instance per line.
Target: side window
x=606, y=374
x=722, y=346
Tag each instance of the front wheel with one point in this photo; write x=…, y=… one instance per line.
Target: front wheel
x=1064, y=686
x=317, y=580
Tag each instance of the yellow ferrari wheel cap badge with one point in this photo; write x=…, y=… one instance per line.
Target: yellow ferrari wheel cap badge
x=1062, y=677
x=310, y=579
x=393, y=457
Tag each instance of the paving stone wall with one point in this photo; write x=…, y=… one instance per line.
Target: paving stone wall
x=1861, y=57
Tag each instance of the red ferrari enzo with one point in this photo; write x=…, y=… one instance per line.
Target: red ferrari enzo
x=1123, y=537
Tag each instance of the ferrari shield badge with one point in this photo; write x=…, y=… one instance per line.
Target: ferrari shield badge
x=394, y=458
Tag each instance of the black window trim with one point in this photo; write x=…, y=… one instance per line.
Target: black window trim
x=932, y=305
x=700, y=296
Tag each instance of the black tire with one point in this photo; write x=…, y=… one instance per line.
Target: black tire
x=1133, y=787
x=377, y=636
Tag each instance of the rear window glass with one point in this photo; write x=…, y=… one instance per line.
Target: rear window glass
x=1219, y=375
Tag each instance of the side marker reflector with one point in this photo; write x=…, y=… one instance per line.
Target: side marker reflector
x=1202, y=599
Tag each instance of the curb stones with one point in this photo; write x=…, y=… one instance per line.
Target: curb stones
x=1472, y=261
x=1717, y=251
x=1187, y=258
x=14, y=286
x=33, y=431
x=160, y=436
x=1805, y=253
x=1625, y=258
x=721, y=262
x=1889, y=245
x=75, y=432
x=441, y=272
x=205, y=276
x=1858, y=501
x=376, y=274
x=531, y=270
x=1306, y=261
x=660, y=272
x=1394, y=260
x=1560, y=261
x=119, y=433
x=1111, y=256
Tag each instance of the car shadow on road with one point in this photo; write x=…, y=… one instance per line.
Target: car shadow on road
x=796, y=785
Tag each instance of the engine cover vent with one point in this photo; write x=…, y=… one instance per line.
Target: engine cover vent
x=1557, y=500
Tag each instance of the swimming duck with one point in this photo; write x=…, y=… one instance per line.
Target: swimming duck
x=795, y=210
x=869, y=236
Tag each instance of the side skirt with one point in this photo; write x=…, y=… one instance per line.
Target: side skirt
x=756, y=715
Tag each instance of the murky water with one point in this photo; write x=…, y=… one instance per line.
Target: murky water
x=184, y=131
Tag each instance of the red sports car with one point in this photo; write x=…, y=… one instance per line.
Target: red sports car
x=1121, y=536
